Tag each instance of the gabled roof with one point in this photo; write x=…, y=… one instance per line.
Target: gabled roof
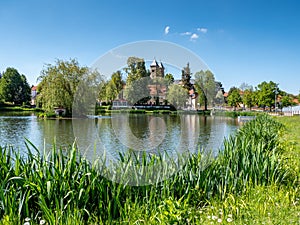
x=161, y=65
x=154, y=63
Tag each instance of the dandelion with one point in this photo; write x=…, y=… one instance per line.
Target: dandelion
x=219, y=220
x=229, y=219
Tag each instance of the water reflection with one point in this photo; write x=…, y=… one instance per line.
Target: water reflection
x=150, y=133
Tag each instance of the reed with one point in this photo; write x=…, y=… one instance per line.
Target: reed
x=62, y=187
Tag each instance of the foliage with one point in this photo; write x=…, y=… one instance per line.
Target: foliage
x=177, y=95
x=286, y=100
x=59, y=86
x=206, y=86
x=169, y=79
x=244, y=86
x=135, y=70
x=137, y=92
x=248, y=98
x=234, y=97
x=186, y=77
x=248, y=181
x=138, y=79
x=14, y=87
x=266, y=94
x=114, y=86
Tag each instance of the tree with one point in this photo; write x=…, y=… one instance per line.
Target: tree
x=135, y=69
x=266, y=94
x=286, y=100
x=234, y=97
x=169, y=79
x=114, y=86
x=59, y=84
x=186, y=77
x=206, y=86
x=138, y=79
x=244, y=86
x=14, y=87
x=248, y=98
x=177, y=95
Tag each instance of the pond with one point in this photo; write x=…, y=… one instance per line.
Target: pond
x=118, y=132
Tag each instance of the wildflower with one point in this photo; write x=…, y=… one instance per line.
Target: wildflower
x=42, y=222
x=229, y=215
x=208, y=217
x=219, y=220
x=229, y=219
x=27, y=219
x=26, y=223
x=214, y=217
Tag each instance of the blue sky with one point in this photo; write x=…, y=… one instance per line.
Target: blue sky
x=240, y=41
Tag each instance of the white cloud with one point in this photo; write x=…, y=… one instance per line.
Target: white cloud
x=202, y=30
x=167, y=29
x=186, y=33
x=194, y=36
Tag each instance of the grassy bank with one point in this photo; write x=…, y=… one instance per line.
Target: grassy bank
x=252, y=181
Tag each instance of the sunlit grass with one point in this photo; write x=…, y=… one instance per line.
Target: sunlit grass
x=253, y=180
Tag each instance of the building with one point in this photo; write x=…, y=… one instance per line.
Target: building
x=33, y=95
x=157, y=70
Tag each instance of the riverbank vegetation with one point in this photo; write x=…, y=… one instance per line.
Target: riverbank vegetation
x=253, y=180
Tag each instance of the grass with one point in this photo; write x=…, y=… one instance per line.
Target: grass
x=253, y=180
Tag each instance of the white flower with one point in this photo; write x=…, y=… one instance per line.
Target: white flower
x=214, y=217
x=27, y=223
x=219, y=220
x=42, y=222
x=27, y=219
x=229, y=220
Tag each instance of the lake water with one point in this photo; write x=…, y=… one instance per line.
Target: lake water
x=119, y=132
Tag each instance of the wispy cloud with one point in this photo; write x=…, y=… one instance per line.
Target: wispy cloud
x=186, y=33
x=202, y=30
x=167, y=29
x=194, y=36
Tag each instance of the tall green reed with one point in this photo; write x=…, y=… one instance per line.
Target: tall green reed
x=62, y=187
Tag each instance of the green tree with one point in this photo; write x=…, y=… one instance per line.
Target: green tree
x=234, y=97
x=248, y=98
x=266, y=94
x=206, y=87
x=286, y=100
x=169, y=79
x=14, y=87
x=114, y=86
x=177, y=95
x=138, y=79
x=136, y=69
x=186, y=77
x=60, y=82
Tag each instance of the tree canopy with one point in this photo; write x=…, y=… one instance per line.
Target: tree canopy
x=265, y=94
x=186, y=77
x=14, y=87
x=234, y=97
x=59, y=83
x=206, y=86
x=138, y=79
x=177, y=95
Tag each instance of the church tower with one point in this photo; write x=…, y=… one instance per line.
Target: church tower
x=157, y=70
